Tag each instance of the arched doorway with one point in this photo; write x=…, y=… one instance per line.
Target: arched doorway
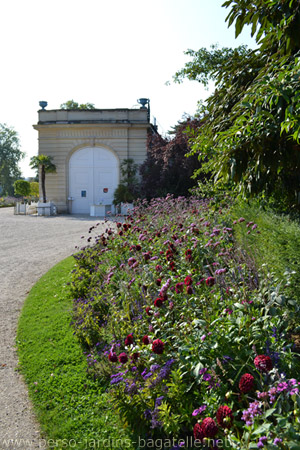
x=93, y=178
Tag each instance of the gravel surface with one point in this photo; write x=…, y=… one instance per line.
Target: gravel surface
x=29, y=247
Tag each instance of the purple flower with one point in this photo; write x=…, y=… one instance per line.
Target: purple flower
x=206, y=377
x=277, y=441
x=253, y=411
x=159, y=400
x=282, y=387
x=199, y=410
x=220, y=271
x=262, y=441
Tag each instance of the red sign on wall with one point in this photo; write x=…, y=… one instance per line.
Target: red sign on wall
x=105, y=190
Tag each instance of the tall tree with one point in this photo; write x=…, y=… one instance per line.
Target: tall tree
x=10, y=156
x=70, y=104
x=251, y=131
x=46, y=165
x=167, y=169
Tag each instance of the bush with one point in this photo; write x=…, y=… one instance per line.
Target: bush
x=167, y=169
x=194, y=341
x=22, y=187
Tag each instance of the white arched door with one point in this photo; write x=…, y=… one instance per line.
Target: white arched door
x=93, y=178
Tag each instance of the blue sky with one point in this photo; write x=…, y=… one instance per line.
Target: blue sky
x=104, y=52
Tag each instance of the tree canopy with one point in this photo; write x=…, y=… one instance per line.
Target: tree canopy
x=10, y=156
x=22, y=187
x=70, y=104
x=251, y=123
x=167, y=169
x=46, y=165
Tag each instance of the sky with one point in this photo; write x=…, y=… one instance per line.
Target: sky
x=105, y=52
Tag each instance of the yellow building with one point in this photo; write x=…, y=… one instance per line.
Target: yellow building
x=87, y=147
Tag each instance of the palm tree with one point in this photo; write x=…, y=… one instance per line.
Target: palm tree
x=45, y=163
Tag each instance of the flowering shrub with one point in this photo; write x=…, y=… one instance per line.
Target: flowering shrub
x=203, y=351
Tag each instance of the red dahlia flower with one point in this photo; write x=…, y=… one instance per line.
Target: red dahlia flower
x=123, y=358
x=158, y=302
x=112, y=357
x=188, y=281
x=246, y=383
x=179, y=287
x=158, y=281
x=263, y=363
x=189, y=290
x=158, y=346
x=222, y=416
x=172, y=266
x=210, y=281
x=129, y=340
x=148, y=311
x=169, y=255
x=146, y=340
x=134, y=356
x=198, y=432
x=188, y=255
x=209, y=427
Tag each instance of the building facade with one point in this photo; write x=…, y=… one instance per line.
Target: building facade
x=87, y=147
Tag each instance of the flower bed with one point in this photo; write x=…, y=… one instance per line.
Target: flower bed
x=193, y=343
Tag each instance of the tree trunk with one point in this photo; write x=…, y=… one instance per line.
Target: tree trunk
x=43, y=184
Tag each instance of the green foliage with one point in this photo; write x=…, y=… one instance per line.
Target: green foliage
x=72, y=408
x=46, y=165
x=277, y=249
x=22, y=187
x=43, y=161
x=209, y=65
x=127, y=190
x=275, y=24
x=34, y=189
x=10, y=156
x=251, y=131
x=70, y=104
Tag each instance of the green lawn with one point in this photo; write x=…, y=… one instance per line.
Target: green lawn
x=73, y=409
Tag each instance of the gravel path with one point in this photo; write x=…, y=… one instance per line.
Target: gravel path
x=29, y=247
